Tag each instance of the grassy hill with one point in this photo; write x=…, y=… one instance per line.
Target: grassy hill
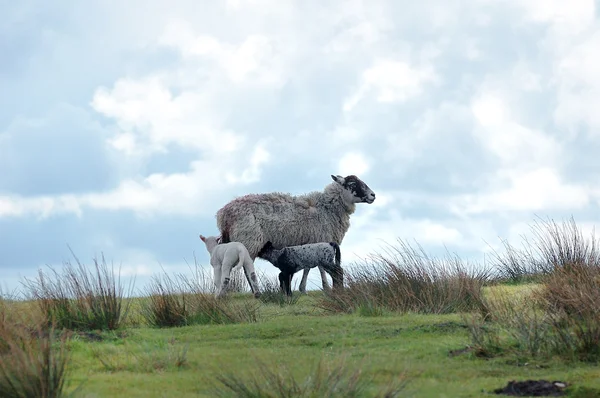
x=405, y=325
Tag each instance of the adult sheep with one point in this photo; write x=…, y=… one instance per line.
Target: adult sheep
x=287, y=220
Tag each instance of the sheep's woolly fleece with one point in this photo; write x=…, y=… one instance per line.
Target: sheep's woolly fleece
x=288, y=220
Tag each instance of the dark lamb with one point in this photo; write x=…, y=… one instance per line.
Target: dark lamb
x=292, y=259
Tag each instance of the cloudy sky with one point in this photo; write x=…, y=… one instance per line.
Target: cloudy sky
x=124, y=126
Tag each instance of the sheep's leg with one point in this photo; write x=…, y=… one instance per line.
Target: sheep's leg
x=324, y=278
x=250, y=273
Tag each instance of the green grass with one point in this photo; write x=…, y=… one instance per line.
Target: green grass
x=186, y=361
x=405, y=325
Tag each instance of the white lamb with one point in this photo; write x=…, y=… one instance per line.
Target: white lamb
x=288, y=220
x=224, y=258
x=292, y=259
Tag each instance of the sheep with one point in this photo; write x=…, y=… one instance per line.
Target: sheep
x=224, y=257
x=294, y=258
x=288, y=220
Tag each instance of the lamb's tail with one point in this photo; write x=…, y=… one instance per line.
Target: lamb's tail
x=338, y=253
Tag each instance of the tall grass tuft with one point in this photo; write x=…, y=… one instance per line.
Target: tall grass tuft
x=553, y=245
x=181, y=300
x=325, y=380
x=80, y=298
x=562, y=315
x=33, y=365
x=271, y=292
x=404, y=278
x=166, y=303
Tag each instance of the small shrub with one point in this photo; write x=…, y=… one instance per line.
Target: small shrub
x=31, y=365
x=166, y=304
x=571, y=298
x=406, y=279
x=562, y=316
x=325, y=380
x=80, y=299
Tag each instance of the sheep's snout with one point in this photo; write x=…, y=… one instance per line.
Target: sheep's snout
x=370, y=198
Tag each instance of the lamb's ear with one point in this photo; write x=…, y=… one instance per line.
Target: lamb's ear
x=202, y=238
x=265, y=247
x=339, y=179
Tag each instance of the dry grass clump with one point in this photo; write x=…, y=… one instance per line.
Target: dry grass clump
x=404, y=279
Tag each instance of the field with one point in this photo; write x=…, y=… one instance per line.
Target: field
x=405, y=325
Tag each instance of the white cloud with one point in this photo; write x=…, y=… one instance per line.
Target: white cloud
x=579, y=86
x=256, y=60
x=353, y=163
x=536, y=190
x=516, y=146
x=390, y=81
x=489, y=110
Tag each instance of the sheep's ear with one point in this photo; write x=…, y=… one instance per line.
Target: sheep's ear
x=338, y=178
x=202, y=238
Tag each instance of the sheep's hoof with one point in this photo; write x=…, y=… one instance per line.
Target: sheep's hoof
x=256, y=294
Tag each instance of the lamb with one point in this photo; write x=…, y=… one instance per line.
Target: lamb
x=294, y=258
x=288, y=220
x=224, y=258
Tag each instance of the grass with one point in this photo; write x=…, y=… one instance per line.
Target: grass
x=325, y=380
x=405, y=325
x=182, y=301
x=406, y=279
x=32, y=364
x=271, y=292
x=79, y=298
x=561, y=316
x=413, y=349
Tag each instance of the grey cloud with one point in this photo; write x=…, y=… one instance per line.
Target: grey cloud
x=64, y=152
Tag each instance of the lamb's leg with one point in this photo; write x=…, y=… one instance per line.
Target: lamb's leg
x=228, y=264
x=250, y=273
x=302, y=287
x=286, y=281
x=281, y=278
x=217, y=277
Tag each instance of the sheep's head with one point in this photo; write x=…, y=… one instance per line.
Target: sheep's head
x=355, y=190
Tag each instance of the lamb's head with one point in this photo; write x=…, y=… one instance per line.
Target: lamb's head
x=269, y=253
x=268, y=247
x=355, y=190
x=210, y=242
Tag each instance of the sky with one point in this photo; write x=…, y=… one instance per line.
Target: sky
x=125, y=126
